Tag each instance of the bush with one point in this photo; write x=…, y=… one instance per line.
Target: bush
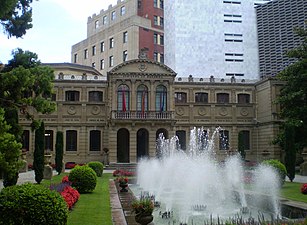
x=32, y=204
x=97, y=167
x=304, y=189
x=83, y=178
x=280, y=168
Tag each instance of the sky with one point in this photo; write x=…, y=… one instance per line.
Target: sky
x=57, y=25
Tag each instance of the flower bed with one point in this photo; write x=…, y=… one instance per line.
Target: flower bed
x=70, y=195
x=304, y=189
x=118, y=173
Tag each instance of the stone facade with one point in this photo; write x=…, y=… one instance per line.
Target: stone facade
x=124, y=113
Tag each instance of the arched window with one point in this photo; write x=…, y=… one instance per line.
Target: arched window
x=72, y=96
x=95, y=140
x=161, y=98
x=71, y=140
x=201, y=97
x=243, y=98
x=142, y=98
x=95, y=96
x=222, y=98
x=123, y=96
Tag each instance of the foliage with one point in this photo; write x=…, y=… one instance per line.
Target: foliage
x=125, y=173
x=83, y=178
x=304, y=189
x=59, y=152
x=16, y=17
x=97, y=167
x=70, y=195
x=33, y=205
x=280, y=168
x=293, y=95
x=10, y=151
x=144, y=205
x=38, y=163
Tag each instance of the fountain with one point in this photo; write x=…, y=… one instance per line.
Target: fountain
x=195, y=187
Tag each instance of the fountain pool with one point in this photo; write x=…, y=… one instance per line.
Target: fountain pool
x=193, y=187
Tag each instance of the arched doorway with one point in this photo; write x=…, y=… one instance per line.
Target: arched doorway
x=142, y=144
x=163, y=131
x=123, y=146
x=159, y=150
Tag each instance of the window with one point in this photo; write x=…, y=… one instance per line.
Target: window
x=156, y=3
x=224, y=139
x=125, y=56
x=161, y=98
x=156, y=21
x=111, y=42
x=26, y=140
x=71, y=140
x=244, y=140
x=161, y=39
x=72, y=96
x=142, y=98
x=96, y=24
x=180, y=97
x=104, y=20
x=49, y=140
x=161, y=4
x=95, y=140
x=85, y=54
x=155, y=56
x=95, y=96
x=222, y=98
x=75, y=58
x=111, y=61
x=102, y=46
x=123, y=96
x=181, y=134
x=201, y=97
x=113, y=15
x=161, y=58
x=102, y=64
x=232, y=2
x=243, y=98
x=122, y=10
x=94, y=50
x=161, y=22
x=125, y=37
x=155, y=38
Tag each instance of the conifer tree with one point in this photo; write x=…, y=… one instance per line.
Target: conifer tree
x=59, y=152
x=38, y=163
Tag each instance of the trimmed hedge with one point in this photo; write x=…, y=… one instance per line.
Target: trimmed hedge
x=279, y=166
x=97, y=167
x=32, y=204
x=83, y=178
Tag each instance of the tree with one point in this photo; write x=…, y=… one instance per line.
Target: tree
x=59, y=152
x=16, y=17
x=293, y=101
x=10, y=151
x=38, y=163
x=25, y=87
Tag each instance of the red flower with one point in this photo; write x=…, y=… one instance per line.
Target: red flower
x=304, y=189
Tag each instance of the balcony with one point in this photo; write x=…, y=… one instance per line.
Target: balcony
x=137, y=115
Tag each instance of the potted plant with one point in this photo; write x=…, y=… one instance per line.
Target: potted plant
x=123, y=183
x=143, y=209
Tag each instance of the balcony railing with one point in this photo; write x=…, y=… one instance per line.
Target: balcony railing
x=149, y=115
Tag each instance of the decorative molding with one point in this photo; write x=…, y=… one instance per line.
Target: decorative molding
x=71, y=110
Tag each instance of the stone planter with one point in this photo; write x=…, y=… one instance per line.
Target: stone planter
x=47, y=168
x=143, y=218
x=123, y=187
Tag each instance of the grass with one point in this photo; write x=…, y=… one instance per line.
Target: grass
x=92, y=208
x=292, y=191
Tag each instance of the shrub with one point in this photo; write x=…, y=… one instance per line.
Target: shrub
x=280, y=168
x=97, y=167
x=32, y=204
x=304, y=189
x=83, y=178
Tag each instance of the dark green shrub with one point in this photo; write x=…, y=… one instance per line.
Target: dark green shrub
x=38, y=163
x=32, y=204
x=97, y=167
x=83, y=178
x=280, y=168
x=59, y=152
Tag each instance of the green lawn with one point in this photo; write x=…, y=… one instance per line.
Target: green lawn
x=92, y=208
x=292, y=191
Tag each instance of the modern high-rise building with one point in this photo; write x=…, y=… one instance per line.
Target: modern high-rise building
x=276, y=21
x=119, y=33
x=212, y=38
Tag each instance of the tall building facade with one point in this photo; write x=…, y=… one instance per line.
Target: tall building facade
x=119, y=33
x=276, y=21
x=212, y=38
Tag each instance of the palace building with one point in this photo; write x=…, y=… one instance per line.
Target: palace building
x=123, y=114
